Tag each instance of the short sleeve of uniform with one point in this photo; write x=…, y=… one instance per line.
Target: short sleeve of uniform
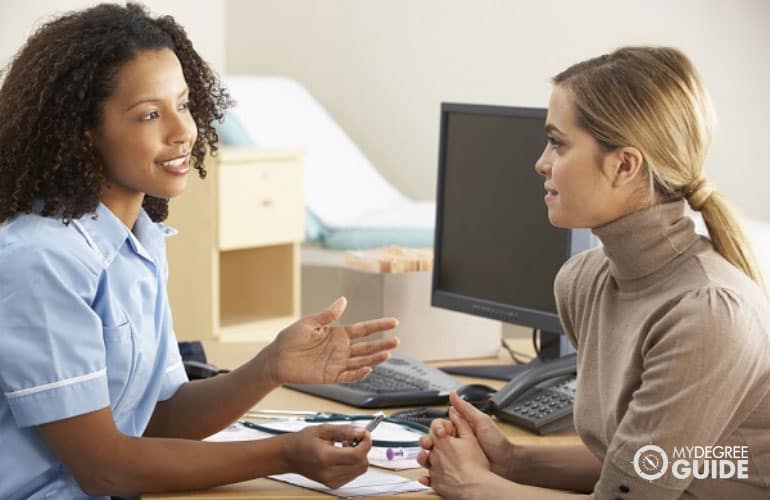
x=52, y=357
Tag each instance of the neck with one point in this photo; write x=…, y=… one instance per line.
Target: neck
x=124, y=207
x=644, y=242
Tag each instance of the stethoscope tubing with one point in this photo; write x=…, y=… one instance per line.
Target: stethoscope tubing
x=422, y=429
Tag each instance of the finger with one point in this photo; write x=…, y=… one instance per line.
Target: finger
x=426, y=442
x=365, y=328
x=422, y=459
x=368, y=360
x=353, y=375
x=461, y=425
x=337, y=433
x=331, y=313
x=424, y=480
x=449, y=428
x=469, y=412
x=438, y=429
x=373, y=346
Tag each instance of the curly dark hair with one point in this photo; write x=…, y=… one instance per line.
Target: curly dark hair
x=54, y=92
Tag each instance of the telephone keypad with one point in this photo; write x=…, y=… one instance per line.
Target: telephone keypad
x=543, y=404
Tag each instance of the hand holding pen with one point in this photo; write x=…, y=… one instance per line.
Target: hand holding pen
x=379, y=417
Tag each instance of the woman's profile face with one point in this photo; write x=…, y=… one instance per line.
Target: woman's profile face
x=146, y=133
x=578, y=193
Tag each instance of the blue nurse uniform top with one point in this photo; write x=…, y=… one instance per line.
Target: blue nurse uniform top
x=84, y=324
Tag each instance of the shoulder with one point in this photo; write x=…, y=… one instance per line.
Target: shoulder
x=31, y=244
x=578, y=268
x=718, y=318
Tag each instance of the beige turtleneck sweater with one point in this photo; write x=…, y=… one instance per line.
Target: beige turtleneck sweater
x=673, y=350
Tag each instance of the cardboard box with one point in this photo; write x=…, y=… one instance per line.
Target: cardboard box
x=426, y=332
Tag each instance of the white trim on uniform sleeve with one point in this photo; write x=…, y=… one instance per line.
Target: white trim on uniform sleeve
x=173, y=367
x=58, y=383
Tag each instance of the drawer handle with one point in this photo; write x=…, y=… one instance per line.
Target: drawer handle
x=266, y=203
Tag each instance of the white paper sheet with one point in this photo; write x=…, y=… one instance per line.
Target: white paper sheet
x=370, y=483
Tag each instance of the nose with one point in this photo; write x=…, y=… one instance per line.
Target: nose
x=182, y=129
x=543, y=164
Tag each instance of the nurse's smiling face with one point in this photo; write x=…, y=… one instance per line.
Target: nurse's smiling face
x=146, y=132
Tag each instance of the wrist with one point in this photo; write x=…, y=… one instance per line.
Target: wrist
x=489, y=486
x=517, y=457
x=266, y=372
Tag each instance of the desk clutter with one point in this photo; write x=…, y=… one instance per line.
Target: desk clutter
x=390, y=259
x=396, y=281
x=372, y=482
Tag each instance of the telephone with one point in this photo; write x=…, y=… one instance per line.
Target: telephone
x=540, y=398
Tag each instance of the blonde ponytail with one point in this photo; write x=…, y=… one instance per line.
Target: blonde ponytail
x=727, y=235
x=652, y=98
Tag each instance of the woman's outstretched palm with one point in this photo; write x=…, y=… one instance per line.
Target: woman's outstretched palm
x=312, y=351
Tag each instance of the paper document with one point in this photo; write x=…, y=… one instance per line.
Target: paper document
x=372, y=482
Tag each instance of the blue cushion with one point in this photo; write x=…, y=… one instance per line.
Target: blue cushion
x=314, y=228
x=361, y=239
x=232, y=133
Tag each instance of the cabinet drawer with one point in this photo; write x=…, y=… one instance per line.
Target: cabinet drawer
x=260, y=204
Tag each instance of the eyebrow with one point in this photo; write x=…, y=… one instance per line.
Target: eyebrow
x=550, y=127
x=153, y=99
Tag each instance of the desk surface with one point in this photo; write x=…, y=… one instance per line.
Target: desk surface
x=231, y=355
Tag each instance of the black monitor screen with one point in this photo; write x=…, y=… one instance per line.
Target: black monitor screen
x=494, y=244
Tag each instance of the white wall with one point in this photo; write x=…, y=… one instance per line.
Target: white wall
x=204, y=21
x=383, y=67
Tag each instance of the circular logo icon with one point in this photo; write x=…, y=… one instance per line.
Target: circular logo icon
x=650, y=462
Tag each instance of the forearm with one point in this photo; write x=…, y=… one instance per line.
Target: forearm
x=498, y=487
x=143, y=465
x=572, y=468
x=203, y=407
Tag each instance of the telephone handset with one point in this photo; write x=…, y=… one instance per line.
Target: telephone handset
x=540, y=399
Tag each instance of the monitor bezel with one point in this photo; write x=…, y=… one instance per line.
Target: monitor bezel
x=577, y=240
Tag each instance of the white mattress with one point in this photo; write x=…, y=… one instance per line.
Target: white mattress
x=342, y=187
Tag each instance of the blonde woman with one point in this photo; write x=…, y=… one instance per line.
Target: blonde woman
x=672, y=329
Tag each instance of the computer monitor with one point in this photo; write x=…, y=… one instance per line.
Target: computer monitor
x=495, y=252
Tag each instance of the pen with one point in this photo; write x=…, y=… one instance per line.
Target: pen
x=370, y=426
x=402, y=453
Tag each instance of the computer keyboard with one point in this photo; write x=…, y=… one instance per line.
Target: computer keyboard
x=400, y=381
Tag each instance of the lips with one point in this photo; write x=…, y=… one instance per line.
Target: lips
x=176, y=165
x=550, y=193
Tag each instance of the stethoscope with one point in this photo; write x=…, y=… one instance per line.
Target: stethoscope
x=321, y=418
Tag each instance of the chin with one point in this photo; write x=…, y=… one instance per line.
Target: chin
x=171, y=191
x=561, y=221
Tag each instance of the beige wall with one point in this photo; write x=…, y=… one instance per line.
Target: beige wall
x=204, y=21
x=382, y=67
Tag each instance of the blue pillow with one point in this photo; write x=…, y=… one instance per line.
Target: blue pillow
x=232, y=133
x=314, y=228
x=361, y=239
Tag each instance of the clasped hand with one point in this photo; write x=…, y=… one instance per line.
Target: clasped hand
x=464, y=454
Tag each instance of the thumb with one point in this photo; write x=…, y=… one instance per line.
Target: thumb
x=467, y=411
x=333, y=312
x=340, y=433
x=462, y=427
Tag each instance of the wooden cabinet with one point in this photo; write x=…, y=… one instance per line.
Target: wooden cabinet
x=234, y=266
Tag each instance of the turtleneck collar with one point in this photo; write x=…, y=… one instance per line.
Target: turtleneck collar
x=644, y=242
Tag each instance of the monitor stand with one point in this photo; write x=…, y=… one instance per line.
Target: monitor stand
x=549, y=349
